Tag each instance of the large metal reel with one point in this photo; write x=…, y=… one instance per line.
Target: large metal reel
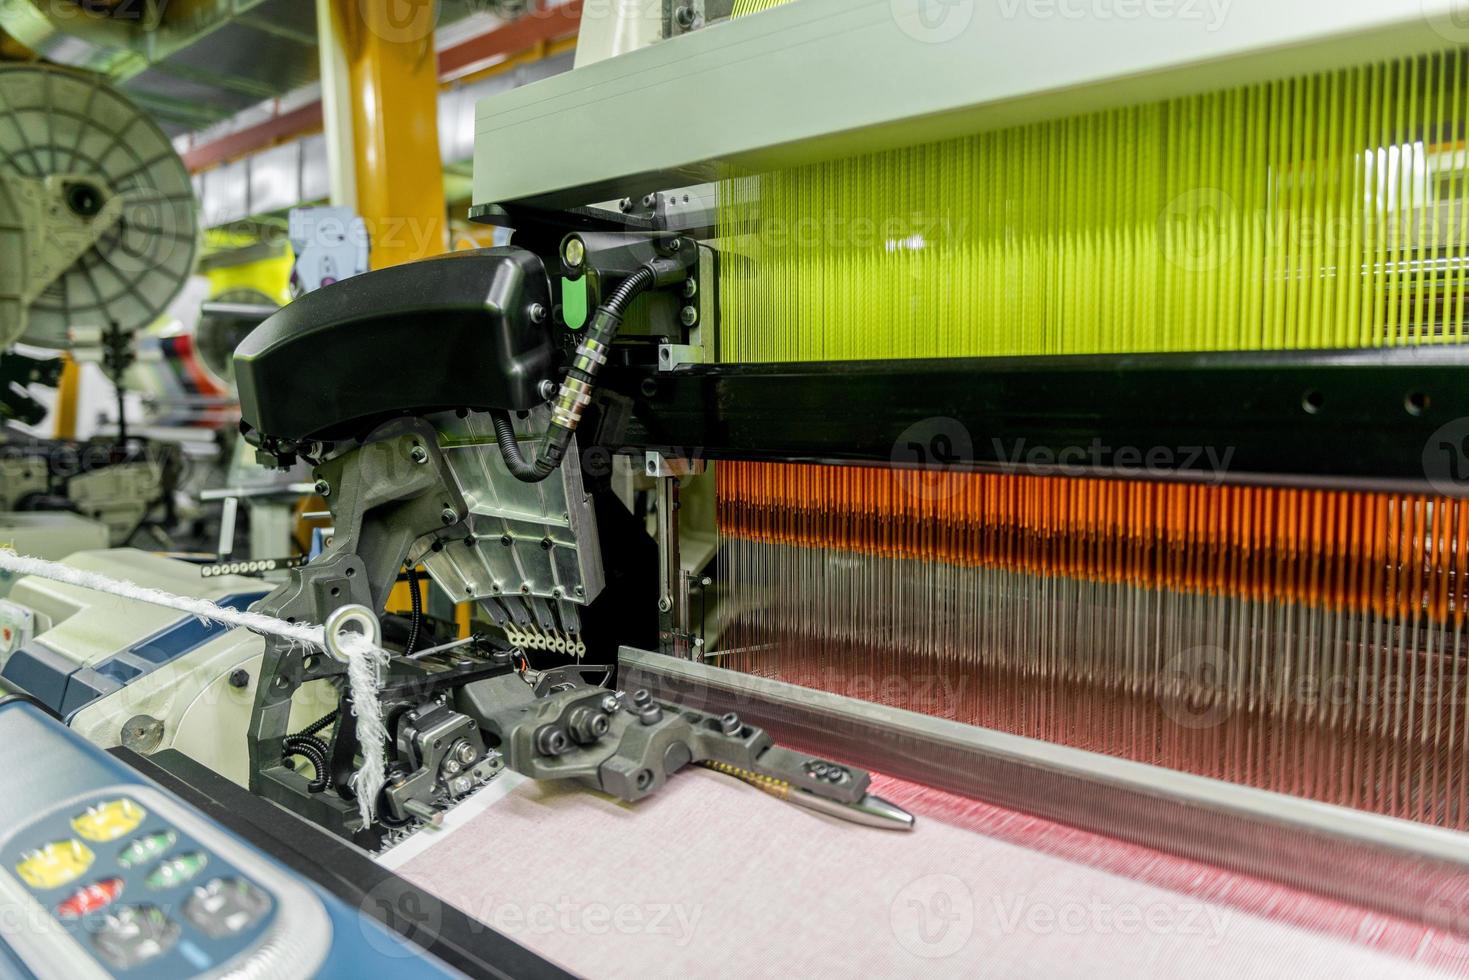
x=73, y=133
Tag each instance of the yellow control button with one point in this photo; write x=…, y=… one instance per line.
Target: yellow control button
x=55, y=864
x=108, y=821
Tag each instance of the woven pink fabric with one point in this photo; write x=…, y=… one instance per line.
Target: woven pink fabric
x=712, y=878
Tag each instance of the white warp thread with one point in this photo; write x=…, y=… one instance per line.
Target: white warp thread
x=364, y=665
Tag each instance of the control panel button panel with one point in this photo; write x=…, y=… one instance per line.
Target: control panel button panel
x=139, y=893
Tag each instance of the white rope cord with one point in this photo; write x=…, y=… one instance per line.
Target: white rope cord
x=364, y=665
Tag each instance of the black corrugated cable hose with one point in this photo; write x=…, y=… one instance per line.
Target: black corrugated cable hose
x=576, y=390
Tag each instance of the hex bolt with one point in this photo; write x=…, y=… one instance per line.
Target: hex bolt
x=461, y=785
x=730, y=724
x=322, y=488
x=418, y=454
x=448, y=516
x=611, y=704
x=689, y=316
x=551, y=741
x=239, y=677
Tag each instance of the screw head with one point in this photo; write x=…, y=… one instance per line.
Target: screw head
x=689, y=316
x=466, y=753
x=448, y=515
x=664, y=604
x=685, y=17
x=649, y=200
x=611, y=704
x=537, y=313
x=690, y=288
x=322, y=488
x=239, y=677
x=730, y=724
x=418, y=454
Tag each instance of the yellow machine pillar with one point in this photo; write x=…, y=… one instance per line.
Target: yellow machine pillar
x=68, y=394
x=380, y=91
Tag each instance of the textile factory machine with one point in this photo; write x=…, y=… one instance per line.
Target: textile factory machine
x=1088, y=406
x=97, y=232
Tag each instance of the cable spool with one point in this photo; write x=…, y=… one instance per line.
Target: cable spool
x=96, y=204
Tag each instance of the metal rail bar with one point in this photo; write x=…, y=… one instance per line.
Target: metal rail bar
x=1375, y=862
x=1384, y=419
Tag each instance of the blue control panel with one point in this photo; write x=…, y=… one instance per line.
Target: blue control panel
x=115, y=877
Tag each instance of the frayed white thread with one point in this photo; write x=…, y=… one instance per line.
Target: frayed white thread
x=364, y=665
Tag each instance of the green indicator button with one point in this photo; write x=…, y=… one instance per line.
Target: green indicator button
x=177, y=870
x=574, y=302
x=146, y=848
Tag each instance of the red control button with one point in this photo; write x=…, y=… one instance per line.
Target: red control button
x=90, y=898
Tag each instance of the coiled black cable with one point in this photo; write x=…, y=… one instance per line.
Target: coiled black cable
x=416, y=601
x=577, y=388
x=314, y=751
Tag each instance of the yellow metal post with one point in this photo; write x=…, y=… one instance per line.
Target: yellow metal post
x=68, y=392
x=393, y=88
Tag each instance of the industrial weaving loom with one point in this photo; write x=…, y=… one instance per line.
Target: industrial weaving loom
x=1054, y=435
x=1309, y=641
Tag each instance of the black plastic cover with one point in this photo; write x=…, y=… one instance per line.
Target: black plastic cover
x=445, y=333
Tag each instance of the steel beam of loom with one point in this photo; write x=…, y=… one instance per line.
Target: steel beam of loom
x=822, y=79
x=1377, y=862
x=1372, y=419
